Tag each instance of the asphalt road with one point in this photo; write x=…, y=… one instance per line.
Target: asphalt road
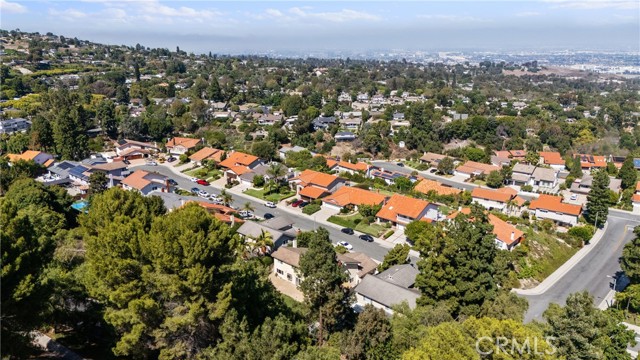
x=591, y=272
x=302, y=221
x=392, y=166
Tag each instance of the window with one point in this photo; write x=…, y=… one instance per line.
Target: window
x=279, y=272
x=289, y=277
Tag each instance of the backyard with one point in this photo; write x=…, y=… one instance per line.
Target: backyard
x=275, y=196
x=354, y=221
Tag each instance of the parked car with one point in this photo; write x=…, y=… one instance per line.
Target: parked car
x=400, y=164
x=245, y=214
x=194, y=179
x=171, y=159
x=195, y=190
x=270, y=204
x=297, y=203
x=152, y=163
x=365, y=237
x=203, y=194
x=202, y=182
x=268, y=216
x=214, y=197
x=348, y=231
x=346, y=245
x=574, y=197
x=173, y=182
x=433, y=171
x=303, y=204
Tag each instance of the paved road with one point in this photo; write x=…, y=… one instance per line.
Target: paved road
x=391, y=166
x=591, y=272
x=302, y=221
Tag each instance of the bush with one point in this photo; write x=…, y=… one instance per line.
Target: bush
x=311, y=209
x=184, y=158
x=527, y=188
x=584, y=233
x=388, y=234
x=258, y=181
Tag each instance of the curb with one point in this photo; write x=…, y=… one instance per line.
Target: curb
x=564, y=268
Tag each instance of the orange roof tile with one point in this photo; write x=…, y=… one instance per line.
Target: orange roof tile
x=360, y=166
x=239, y=169
x=312, y=192
x=48, y=163
x=519, y=201
x=425, y=186
x=552, y=157
x=488, y=194
x=635, y=198
x=238, y=158
x=137, y=180
x=638, y=186
x=207, y=153
x=554, y=203
x=348, y=195
x=182, y=141
x=402, y=205
x=216, y=208
x=472, y=166
x=311, y=177
x=503, y=230
x=27, y=155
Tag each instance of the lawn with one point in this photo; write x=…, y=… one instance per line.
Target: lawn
x=275, y=197
x=202, y=173
x=546, y=254
x=350, y=221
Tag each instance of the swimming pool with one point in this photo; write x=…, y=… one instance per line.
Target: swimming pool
x=80, y=205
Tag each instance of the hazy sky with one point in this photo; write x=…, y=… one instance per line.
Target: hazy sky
x=254, y=26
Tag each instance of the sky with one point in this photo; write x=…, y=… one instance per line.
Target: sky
x=306, y=26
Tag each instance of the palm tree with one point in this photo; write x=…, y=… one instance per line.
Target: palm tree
x=263, y=243
x=247, y=207
x=275, y=171
x=226, y=197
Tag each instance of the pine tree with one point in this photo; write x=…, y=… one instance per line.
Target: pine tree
x=213, y=90
x=598, y=198
x=397, y=256
x=628, y=174
x=630, y=261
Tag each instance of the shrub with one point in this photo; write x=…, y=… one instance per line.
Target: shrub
x=527, y=188
x=388, y=234
x=341, y=249
x=258, y=181
x=184, y=158
x=310, y=209
x=584, y=233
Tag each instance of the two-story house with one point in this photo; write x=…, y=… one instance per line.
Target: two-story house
x=505, y=200
x=181, y=145
x=313, y=185
x=146, y=182
x=387, y=289
x=206, y=154
x=238, y=163
x=552, y=208
x=552, y=159
x=400, y=210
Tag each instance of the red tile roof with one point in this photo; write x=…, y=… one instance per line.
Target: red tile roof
x=425, y=186
x=311, y=177
x=182, y=141
x=312, y=192
x=551, y=158
x=471, y=166
x=488, y=194
x=238, y=158
x=402, y=205
x=554, y=203
x=348, y=195
x=360, y=166
x=207, y=153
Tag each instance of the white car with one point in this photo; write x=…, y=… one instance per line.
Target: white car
x=245, y=214
x=214, y=197
x=203, y=194
x=193, y=179
x=574, y=197
x=152, y=163
x=270, y=204
x=345, y=244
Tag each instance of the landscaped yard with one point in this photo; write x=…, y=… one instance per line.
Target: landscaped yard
x=546, y=254
x=350, y=221
x=202, y=173
x=275, y=197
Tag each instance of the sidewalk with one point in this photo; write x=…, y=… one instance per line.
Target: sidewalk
x=568, y=265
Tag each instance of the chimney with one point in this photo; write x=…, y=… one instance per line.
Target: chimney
x=513, y=235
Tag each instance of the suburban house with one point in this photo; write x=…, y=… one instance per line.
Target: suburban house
x=472, y=168
x=500, y=161
x=400, y=210
x=426, y=186
x=357, y=265
x=146, y=182
x=38, y=157
x=503, y=199
x=512, y=154
x=223, y=213
x=345, y=136
x=635, y=199
x=181, y=145
x=583, y=185
x=58, y=173
x=351, y=168
x=545, y=178
x=389, y=177
x=588, y=162
x=323, y=122
x=206, y=153
x=432, y=159
x=238, y=163
x=286, y=261
x=287, y=149
x=351, y=123
x=552, y=208
x=552, y=159
x=131, y=149
x=507, y=235
x=312, y=184
x=351, y=197
x=522, y=174
x=388, y=288
x=11, y=126
x=251, y=230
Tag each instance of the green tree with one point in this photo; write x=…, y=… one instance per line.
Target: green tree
x=457, y=264
x=291, y=105
x=98, y=182
x=227, y=198
x=506, y=305
x=41, y=134
x=263, y=150
x=446, y=165
x=106, y=118
x=213, y=90
x=583, y=332
x=628, y=173
x=396, y=256
x=324, y=295
x=630, y=260
x=371, y=338
x=532, y=157
x=18, y=143
x=495, y=179
x=446, y=341
x=598, y=198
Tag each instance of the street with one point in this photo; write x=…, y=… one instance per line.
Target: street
x=591, y=272
x=302, y=221
x=392, y=166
